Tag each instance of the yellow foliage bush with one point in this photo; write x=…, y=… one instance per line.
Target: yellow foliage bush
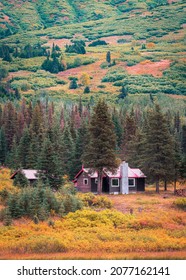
x=5, y=182
x=91, y=231
x=89, y=199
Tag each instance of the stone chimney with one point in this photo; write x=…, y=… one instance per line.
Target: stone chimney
x=124, y=178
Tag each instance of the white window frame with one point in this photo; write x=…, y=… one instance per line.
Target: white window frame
x=114, y=186
x=96, y=180
x=134, y=183
x=85, y=180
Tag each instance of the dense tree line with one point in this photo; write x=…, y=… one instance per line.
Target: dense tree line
x=39, y=136
x=27, y=51
x=6, y=92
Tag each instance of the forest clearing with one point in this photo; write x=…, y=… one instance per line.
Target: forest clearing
x=135, y=226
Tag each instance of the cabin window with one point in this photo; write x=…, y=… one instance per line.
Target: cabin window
x=131, y=182
x=115, y=182
x=85, y=181
x=96, y=181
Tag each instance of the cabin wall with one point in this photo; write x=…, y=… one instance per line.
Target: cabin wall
x=80, y=183
x=139, y=184
x=114, y=189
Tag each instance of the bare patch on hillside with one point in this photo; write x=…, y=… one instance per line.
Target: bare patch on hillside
x=60, y=42
x=113, y=40
x=21, y=73
x=149, y=68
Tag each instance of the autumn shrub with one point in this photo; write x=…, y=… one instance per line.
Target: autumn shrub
x=180, y=203
x=145, y=223
x=102, y=202
x=6, y=184
x=87, y=198
x=111, y=218
x=7, y=219
x=150, y=45
x=92, y=200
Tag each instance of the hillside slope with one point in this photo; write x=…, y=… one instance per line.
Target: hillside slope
x=16, y=15
x=146, y=40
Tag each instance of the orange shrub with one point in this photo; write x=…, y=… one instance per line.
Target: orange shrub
x=150, y=45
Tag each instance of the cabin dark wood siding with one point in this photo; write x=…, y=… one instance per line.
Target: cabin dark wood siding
x=114, y=189
x=80, y=183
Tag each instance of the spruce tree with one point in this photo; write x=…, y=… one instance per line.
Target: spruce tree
x=23, y=149
x=10, y=118
x=158, y=154
x=81, y=140
x=128, y=134
x=12, y=157
x=67, y=152
x=20, y=180
x=100, y=152
x=45, y=162
x=108, y=57
x=117, y=127
x=3, y=146
x=73, y=84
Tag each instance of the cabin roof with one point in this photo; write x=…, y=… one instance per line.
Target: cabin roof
x=132, y=173
x=30, y=174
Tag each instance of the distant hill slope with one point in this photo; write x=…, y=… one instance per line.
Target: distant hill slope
x=146, y=40
x=29, y=15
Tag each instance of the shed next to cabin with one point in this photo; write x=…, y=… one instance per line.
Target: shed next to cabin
x=31, y=175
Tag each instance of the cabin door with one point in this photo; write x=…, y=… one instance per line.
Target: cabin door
x=94, y=185
x=105, y=185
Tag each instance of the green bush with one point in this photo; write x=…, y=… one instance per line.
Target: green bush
x=39, y=202
x=97, y=43
x=113, y=77
x=87, y=89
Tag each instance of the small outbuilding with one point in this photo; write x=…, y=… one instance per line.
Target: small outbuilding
x=125, y=180
x=32, y=175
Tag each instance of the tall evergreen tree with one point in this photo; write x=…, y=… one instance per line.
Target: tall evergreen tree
x=67, y=152
x=12, y=159
x=45, y=162
x=129, y=132
x=23, y=149
x=3, y=146
x=158, y=155
x=9, y=123
x=108, y=57
x=100, y=152
x=81, y=140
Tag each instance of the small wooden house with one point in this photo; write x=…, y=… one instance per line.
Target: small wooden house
x=124, y=180
x=30, y=174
